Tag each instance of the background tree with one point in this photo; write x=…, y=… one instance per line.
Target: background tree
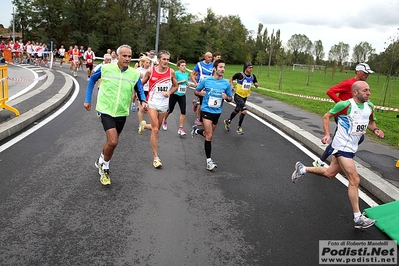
x=185, y=33
x=208, y=33
x=260, y=60
x=390, y=67
x=277, y=44
x=232, y=40
x=339, y=53
x=361, y=52
x=318, y=52
x=270, y=52
x=79, y=20
x=310, y=69
x=260, y=42
x=299, y=46
x=42, y=17
x=104, y=24
x=283, y=58
x=258, y=51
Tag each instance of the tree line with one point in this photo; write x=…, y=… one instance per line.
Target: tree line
x=103, y=24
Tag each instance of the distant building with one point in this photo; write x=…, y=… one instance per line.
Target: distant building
x=6, y=34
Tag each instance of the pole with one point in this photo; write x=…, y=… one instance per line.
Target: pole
x=23, y=22
x=13, y=25
x=51, y=55
x=158, y=22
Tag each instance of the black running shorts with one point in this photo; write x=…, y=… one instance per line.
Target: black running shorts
x=210, y=116
x=112, y=122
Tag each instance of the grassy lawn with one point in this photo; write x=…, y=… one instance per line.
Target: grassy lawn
x=294, y=81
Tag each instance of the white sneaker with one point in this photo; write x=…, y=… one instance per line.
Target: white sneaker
x=193, y=131
x=181, y=132
x=362, y=222
x=164, y=125
x=99, y=166
x=298, y=172
x=211, y=165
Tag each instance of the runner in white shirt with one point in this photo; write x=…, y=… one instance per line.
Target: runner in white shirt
x=61, y=54
x=21, y=51
x=114, y=57
x=162, y=83
x=39, y=51
x=29, y=52
x=355, y=116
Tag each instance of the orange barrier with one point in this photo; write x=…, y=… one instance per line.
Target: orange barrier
x=4, y=90
x=7, y=55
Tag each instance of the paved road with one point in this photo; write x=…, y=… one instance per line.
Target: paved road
x=247, y=212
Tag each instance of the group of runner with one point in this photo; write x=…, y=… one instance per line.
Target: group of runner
x=165, y=88
x=77, y=57
x=31, y=52
x=204, y=69
x=39, y=54
x=212, y=89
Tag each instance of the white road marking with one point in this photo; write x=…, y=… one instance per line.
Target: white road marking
x=33, y=84
x=45, y=121
x=342, y=179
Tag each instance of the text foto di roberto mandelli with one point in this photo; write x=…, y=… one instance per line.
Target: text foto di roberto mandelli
x=358, y=242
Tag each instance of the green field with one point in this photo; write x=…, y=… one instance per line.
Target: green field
x=294, y=81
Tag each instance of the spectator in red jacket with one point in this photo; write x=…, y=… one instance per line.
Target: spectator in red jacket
x=342, y=91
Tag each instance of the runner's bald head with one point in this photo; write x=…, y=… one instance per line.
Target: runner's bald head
x=208, y=57
x=358, y=85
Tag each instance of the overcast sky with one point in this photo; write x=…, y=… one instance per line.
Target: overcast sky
x=331, y=22
x=346, y=21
